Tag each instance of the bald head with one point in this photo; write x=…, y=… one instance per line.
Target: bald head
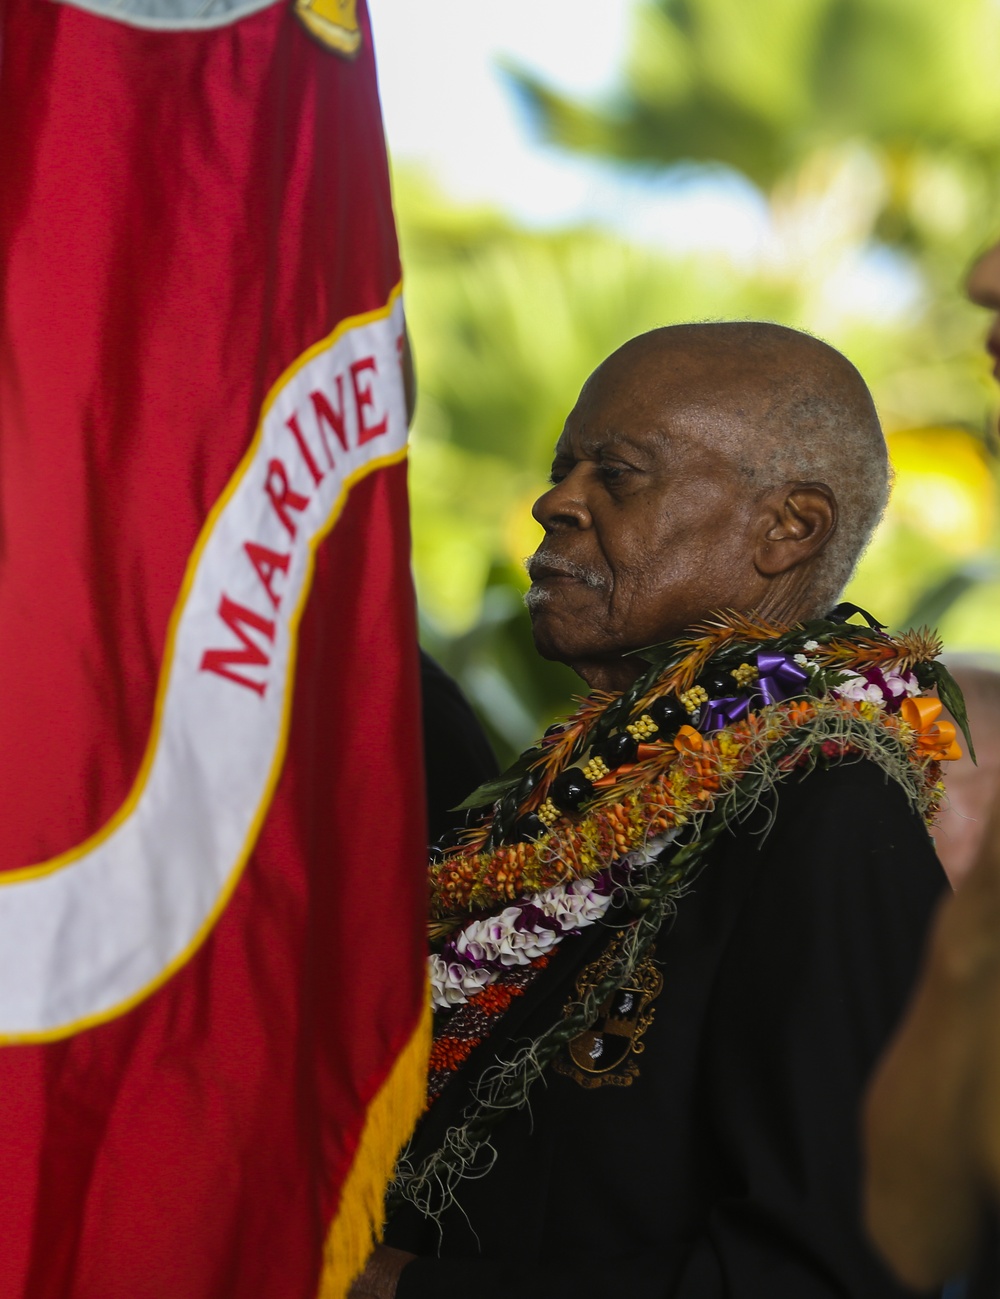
x=703, y=467
x=788, y=407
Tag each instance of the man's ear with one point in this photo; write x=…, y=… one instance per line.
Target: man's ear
x=797, y=522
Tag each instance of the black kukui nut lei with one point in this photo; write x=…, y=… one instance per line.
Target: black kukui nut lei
x=669, y=714
x=528, y=782
x=450, y=839
x=510, y=806
x=617, y=750
x=718, y=684
x=529, y=827
x=569, y=789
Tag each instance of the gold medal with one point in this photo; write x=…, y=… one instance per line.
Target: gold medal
x=603, y=1054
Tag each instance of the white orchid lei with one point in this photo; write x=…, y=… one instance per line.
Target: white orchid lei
x=517, y=936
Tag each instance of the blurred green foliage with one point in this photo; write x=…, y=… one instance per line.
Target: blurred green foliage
x=766, y=88
x=872, y=129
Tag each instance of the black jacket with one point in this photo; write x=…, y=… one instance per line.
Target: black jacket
x=457, y=753
x=730, y=1165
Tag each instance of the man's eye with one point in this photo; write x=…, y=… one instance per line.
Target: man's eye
x=612, y=473
x=556, y=476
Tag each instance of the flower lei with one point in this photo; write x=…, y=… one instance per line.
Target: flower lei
x=588, y=818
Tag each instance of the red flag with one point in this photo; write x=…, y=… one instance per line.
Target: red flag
x=211, y=891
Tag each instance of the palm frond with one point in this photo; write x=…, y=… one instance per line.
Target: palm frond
x=920, y=645
x=860, y=651
x=709, y=638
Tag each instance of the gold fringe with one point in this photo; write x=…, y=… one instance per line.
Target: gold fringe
x=391, y=1118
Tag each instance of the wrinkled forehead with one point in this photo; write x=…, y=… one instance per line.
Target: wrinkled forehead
x=667, y=402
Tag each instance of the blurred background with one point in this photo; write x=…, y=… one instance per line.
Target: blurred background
x=569, y=173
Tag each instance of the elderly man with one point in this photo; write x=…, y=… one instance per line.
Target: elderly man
x=670, y=951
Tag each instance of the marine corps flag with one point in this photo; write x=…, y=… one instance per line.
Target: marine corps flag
x=211, y=886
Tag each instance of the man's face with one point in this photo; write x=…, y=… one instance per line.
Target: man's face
x=648, y=523
x=983, y=287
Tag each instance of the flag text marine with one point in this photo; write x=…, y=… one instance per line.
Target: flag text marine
x=212, y=1045
x=84, y=936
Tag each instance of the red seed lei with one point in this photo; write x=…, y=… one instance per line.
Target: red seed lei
x=466, y=1027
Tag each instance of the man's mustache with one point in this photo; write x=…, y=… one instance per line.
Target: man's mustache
x=540, y=564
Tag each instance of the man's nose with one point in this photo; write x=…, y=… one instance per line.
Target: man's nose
x=563, y=505
x=983, y=283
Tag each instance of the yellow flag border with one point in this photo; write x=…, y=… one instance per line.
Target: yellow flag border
x=360, y=1217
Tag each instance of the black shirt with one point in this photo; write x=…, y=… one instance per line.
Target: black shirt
x=730, y=1165
x=984, y=1278
x=457, y=755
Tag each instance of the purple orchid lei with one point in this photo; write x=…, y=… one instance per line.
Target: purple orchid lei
x=518, y=935
x=886, y=689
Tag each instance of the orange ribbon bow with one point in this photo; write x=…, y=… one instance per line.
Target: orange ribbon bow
x=688, y=740
x=691, y=742
x=935, y=740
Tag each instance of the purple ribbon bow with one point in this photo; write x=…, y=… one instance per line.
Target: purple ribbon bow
x=780, y=677
x=722, y=712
